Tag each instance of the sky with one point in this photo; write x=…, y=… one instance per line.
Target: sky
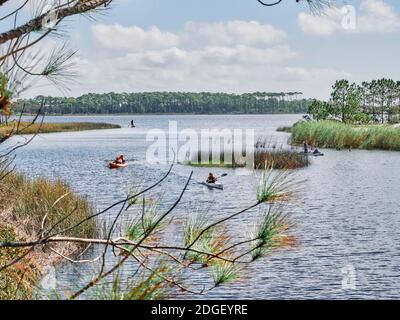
x=232, y=46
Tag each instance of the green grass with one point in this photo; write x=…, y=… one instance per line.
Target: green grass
x=31, y=199
x=23, y=205
x=333, y=134
x=26, y=128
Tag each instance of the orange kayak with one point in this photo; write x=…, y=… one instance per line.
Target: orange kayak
x=113, y=165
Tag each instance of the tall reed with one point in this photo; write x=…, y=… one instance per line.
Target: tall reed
x=333, y=134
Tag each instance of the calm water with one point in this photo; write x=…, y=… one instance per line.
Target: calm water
x=346, y=215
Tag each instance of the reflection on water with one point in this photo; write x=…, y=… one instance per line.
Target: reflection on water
x=347, y=213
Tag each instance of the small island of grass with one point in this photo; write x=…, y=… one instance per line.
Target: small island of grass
x=29, y=128
x=333, y=134
x=263, y=157
x=365, y=116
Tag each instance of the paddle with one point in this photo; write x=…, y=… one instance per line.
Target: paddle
x=216, y=178
x=222, y=175
x=125, y=160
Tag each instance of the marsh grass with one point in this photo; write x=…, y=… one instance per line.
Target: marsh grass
x=264, y=155
x=29, y=128
x=23, y=205
x=33, y=199
x=333, y=134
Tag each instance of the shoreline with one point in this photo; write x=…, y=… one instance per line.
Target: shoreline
x=25, y=206
x=156, y=114
x=25, y=127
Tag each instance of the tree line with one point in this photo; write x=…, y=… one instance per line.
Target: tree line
x=168, y=102
x=375, y=101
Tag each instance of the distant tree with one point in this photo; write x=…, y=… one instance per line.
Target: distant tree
x=345, y=99
x=319, y=110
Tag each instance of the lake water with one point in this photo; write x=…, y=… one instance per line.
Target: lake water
x=346, y=216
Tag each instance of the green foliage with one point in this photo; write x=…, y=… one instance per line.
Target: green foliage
x=378, y=100
x=268, y=234
x=275, y=185
x=146, y=220
x=4, y=90
x=319, y=110
x=209, y=242
x=5, y=95
x=146, y=285
x=345, y=100
x=224, y=272
x=171, y=102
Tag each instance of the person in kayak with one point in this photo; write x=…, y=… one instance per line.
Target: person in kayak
x=305, y=146
x=211, y=178
x=120, y=159
x=132, y=124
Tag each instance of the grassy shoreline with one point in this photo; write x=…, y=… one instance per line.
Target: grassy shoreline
x=23, y=205
x=333, y=134
x=27, y=128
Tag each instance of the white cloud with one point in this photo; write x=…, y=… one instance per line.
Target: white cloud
x=378, y=17
x=327, y=23
x=296, y=74
x=201, y=56
x=133, y=38
x=372, y=16
x=231, y=33
x=232, y=56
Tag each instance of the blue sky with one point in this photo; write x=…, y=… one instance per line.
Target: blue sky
x=233, y=46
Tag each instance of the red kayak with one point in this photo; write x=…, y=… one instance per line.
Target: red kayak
x=113, y=165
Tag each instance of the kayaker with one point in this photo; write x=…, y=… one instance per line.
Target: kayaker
x=120, y=159
x=132, y=124
x=211, y=178
x=305, y=146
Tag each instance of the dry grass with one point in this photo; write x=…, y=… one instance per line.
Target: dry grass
x=16, y=282
x=23, y=205
x=27, y=128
